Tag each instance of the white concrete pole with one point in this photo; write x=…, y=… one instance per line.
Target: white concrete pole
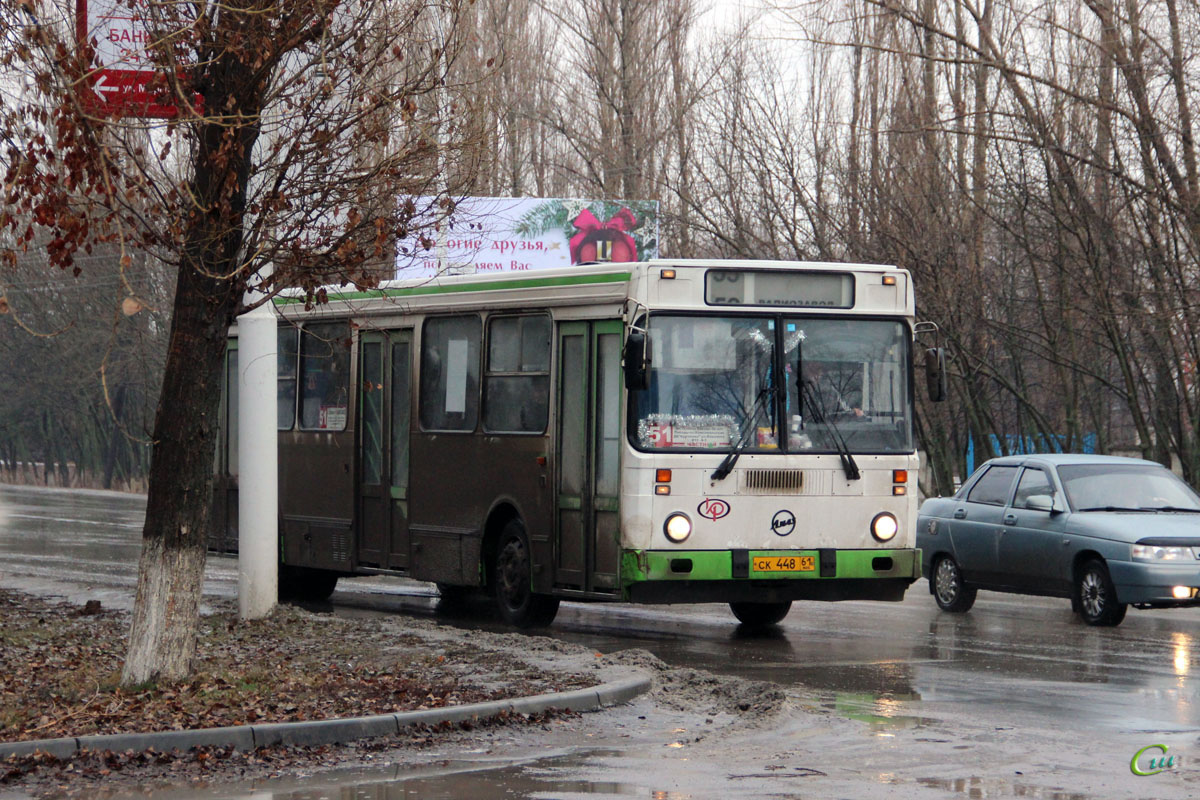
x=258, y=481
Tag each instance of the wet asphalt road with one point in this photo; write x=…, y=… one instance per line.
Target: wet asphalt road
x=1013, y=662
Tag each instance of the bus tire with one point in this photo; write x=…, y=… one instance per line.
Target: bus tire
x=306, y=584
x=453, y=594
x=512, y=580
x=759, y=614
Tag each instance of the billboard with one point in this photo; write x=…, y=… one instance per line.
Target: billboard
x=517, y=234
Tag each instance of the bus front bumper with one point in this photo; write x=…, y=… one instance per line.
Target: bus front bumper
x=732, y=576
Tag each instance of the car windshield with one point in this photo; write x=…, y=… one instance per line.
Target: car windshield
x=714, y=385
x=1115, y=487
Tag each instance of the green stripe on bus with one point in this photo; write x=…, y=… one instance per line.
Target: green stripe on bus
x=518, y=283
x=717, y=565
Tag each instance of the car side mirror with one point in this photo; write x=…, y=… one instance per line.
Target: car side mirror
x=1040, y=502
x=935, y=373
x=637, y=372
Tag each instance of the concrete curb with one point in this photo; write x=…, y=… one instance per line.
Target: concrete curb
x=248, y=737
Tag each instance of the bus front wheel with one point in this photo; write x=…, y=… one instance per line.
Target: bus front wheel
x=758, y=614
x=512, y=578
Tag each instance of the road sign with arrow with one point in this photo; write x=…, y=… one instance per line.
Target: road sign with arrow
x=124, y=81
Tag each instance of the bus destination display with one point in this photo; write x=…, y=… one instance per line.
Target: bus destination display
x=728, y=287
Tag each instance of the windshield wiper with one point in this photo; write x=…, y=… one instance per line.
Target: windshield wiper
x=1117, y=508
x=726, y=465
x=1173, y=508
x=839, y=442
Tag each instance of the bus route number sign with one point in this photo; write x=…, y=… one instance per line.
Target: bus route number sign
x=784, y=563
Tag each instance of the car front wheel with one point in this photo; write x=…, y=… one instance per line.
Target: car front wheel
x=949, y=590
x=1096, y=597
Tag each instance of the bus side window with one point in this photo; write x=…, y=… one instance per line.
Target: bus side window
x=286, y=353
x=324, y=376
x=449, y=398
x=516, y=389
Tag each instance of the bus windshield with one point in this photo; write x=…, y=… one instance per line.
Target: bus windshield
x=715, y=385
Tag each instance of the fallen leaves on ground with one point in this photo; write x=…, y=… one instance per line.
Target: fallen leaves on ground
x=60, y=668
x=72, y=777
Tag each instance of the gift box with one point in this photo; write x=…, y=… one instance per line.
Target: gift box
x=603, y=241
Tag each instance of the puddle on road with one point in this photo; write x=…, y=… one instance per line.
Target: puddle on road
x=539, y=779
x=882, y=714
x=884, y=679
x=983, y=788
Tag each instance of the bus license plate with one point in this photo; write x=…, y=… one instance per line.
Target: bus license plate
x=784, y=563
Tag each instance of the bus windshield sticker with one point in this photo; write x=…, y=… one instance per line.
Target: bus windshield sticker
x=333, y=418
x=766, y=438
x=708, y=431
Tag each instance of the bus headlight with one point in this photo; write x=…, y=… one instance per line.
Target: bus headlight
x=884, y=527
x=678, y=527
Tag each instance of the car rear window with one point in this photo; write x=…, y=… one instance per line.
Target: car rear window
x=992, y=488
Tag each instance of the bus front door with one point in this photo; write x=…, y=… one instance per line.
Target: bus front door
x=587, y=532
x=384, y=415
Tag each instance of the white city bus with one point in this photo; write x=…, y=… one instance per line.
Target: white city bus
x=664, y=432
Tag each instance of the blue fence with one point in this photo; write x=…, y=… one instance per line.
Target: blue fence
x=1020, y=445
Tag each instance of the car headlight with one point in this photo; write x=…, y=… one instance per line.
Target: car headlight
x=1153, y=552
x=884, y=527
x=678, y=527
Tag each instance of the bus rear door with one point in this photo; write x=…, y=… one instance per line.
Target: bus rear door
x=386, y=397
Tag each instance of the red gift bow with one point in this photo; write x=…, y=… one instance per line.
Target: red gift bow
x=591, y=230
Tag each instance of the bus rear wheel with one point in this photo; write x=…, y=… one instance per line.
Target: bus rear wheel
x=759, y=614
x=512, y=578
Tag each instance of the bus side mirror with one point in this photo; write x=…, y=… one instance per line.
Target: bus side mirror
x=637, y=376
x=935, y=373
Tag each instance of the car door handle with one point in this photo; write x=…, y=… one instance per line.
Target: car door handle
x=960, y=513
x=1010, y=519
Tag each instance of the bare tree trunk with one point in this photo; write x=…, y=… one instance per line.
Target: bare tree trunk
x=162, y=635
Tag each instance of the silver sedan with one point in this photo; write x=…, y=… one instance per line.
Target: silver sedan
x=1105, y=531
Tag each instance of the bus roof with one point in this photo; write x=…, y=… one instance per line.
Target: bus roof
x=579, y=274
x=748, y=263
